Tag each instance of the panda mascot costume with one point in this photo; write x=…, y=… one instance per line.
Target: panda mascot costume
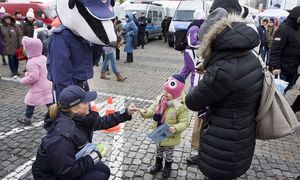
x=86, y=26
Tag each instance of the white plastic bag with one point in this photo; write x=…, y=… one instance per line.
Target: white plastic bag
x=280, y=84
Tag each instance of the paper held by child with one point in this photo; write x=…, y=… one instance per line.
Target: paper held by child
x=89, y=147
x=161, y=133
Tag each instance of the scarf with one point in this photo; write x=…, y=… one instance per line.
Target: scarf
x=160, y=110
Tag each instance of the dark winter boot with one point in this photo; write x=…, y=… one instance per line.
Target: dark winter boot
x=167, y=169
x=296, y=104
x=157, y=167
x=3, y=61
x=24, y=120
x=127, y=58
x=130, y=57
x=117, y=54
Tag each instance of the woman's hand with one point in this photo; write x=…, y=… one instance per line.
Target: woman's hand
x=276, y=71
x=132, y=109
x=200, y=69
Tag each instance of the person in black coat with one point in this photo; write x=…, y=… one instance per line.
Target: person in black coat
x=264, y=45
x=285, y=50
x=229, y=92
x=142, y=29
x=70, y=126
x=136, y=37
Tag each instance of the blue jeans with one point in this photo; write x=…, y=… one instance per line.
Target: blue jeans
x=13, y=64
x=109, y=57
x=265, y=52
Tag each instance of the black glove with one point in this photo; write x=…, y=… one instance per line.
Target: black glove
x=96, y=156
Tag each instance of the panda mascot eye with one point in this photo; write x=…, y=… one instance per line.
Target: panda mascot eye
x=173, y=84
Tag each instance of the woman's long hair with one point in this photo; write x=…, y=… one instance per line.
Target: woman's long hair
x=55, y=108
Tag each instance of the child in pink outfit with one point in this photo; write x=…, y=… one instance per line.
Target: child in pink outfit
x=40, y=88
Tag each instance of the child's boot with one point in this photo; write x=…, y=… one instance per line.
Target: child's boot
x=167, y=169
x=157, y=167
x=24, y=120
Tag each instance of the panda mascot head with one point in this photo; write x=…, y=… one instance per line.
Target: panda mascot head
x=90, y=19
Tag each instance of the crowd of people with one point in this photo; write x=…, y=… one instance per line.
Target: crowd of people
x=13, y=28
x=225, y=90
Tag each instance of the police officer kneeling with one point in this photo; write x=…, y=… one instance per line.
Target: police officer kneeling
x=70, y=126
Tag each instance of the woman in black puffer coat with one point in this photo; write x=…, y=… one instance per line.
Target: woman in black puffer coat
x=231, y=88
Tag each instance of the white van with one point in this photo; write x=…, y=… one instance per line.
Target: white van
x=183, y=17
x=155, y=14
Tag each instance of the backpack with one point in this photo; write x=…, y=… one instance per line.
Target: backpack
x=180, y=40
x=275, y=117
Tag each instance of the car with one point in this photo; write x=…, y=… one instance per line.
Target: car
x=42, y=11
x=183, y=17
x=154, y=13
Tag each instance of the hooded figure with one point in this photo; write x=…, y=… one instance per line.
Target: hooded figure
x=74, y=45
x=285, y=50
x=130, y=31
x=231, y=88
x=40, y=91
x=233, y=6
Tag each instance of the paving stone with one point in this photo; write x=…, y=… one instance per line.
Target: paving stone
x=181, y=173
x=277, y=172
x=137, y=162
x=191, y=175
x=140, y=173
x=127, y=160
x=251, y=178
x=260, y=174
x=251, y=173
x=129, y=174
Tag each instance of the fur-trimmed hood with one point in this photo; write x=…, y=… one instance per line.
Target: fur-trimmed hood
x=230, y=34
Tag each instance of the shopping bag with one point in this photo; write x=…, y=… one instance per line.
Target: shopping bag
x=20, y=55
x=280, y=84
x=161, y=133
x=196, y=133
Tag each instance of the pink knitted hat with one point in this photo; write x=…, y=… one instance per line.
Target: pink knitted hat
x=174, y=85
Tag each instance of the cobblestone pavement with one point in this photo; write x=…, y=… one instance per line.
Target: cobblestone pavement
x=131, y=152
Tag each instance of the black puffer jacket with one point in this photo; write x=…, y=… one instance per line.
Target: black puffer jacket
x=285, y=51
x=231, y=87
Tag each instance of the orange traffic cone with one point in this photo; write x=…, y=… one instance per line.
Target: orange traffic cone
x=109, y=110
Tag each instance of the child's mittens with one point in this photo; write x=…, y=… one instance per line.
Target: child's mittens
x=143, y=112
x=157, y=117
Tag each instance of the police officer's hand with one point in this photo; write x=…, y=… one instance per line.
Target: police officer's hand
x=276, y=71
x=132, y=109
x=95, y=155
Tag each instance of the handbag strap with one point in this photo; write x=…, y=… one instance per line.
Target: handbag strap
x=265, y=106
